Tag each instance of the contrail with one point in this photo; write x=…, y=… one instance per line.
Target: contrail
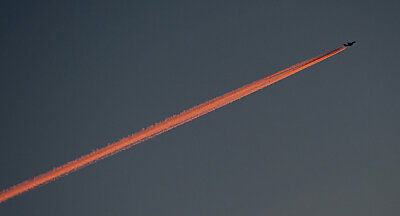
x=161, y=127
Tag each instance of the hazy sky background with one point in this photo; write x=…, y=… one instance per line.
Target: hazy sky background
x=76, y=75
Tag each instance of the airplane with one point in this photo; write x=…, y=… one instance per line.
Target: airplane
x=349, y=44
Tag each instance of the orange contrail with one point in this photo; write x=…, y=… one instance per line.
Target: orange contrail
x=160, y=127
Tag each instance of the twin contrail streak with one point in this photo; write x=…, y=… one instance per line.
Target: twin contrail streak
x=160, y=127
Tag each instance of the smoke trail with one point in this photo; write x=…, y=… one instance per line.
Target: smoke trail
x=160, y=127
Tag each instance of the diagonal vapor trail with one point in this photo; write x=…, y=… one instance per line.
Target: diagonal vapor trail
x=160, y=127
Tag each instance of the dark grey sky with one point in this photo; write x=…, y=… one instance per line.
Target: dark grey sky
x=76, y=75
